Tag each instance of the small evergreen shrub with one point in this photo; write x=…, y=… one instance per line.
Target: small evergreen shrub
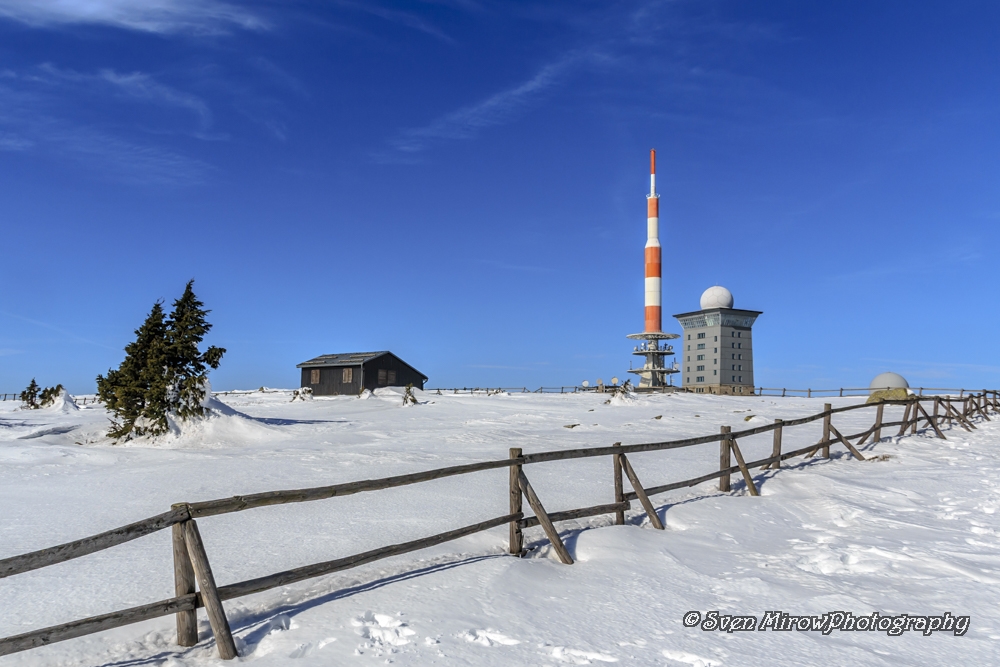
x=408, y=397
x=29, y=397
x=49, y=395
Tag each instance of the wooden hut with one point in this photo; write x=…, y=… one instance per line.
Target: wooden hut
x=350, y=373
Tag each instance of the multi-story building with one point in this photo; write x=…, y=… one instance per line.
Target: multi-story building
x=716, y=355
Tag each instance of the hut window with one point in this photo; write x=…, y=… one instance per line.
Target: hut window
x=392, y=377
x=314, y=376
x=381, y=376
x=348, y=376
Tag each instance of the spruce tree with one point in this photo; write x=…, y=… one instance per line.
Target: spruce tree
x=163, y=373
x=29, y=397
x=186, y=328
x=136, y=393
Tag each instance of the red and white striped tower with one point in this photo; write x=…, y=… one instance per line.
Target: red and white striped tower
x=654, y=317
x=654, y=373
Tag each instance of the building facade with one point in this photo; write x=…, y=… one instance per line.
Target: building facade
x=353, y=372
x=717, y=351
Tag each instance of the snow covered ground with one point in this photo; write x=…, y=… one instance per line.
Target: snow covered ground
x=914, y=531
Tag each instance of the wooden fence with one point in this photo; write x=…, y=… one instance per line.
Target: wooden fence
x=849, y=391
x=195, y=585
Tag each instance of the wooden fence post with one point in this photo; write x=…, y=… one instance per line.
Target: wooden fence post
x=640, y=492
x=826, y=430
x=776, y=445
x=184, y=584
x=619, y=486
x=544, y=520
x=209, y=591
x=516, y=536
x=878, y=421
x=725, y=462
x=932, y=420
x=916, y=418
x=743, y=468
x=906, y=419
x=947, y=409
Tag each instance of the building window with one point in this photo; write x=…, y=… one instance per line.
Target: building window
x=689, y=336
x=734, y=345
x=314, y=376
x=739, y=356
x=700, y=378
x=734, y=378
x=739, y=345
x=688, y=369
x=392, y=377
x=701, y=335
x=689, y=357
x=741, y=378
x=701, y=346
x=715, y=349
x=382, y=375
x=689, y=347
x=348, y=376
x=715, y=361
x=716, y=339
x=715, y=372
x=700, y=368
x=701, y=357
x=740, y=368
x=688, y=379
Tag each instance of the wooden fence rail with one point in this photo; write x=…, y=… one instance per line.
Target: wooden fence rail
x=192, y=569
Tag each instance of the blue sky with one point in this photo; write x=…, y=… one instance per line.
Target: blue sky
x=463, y=183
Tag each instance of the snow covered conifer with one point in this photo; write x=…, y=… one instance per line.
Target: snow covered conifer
x=163, y=373
x=136, y=392
x=49, y=395
x=29, y=397
x=186, y=364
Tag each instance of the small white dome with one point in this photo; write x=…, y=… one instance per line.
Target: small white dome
x=716, y=297
x=889, y=381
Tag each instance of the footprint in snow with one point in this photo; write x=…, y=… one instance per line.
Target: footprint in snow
x=576, y=657
x=690, y=659
x=488, y=638
x=382, y=631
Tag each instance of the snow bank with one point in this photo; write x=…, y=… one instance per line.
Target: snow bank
x=914, y=530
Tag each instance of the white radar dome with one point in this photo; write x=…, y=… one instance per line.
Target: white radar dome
x=716, y=297
x=889, y=381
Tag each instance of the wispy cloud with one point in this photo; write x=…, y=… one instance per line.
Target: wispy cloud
x=467, y=122
x=137, y=86
x=126, y=161
x=32, y=119
x=10, y=141
x=157, y=16
x=50, y=327
x=407, y=19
